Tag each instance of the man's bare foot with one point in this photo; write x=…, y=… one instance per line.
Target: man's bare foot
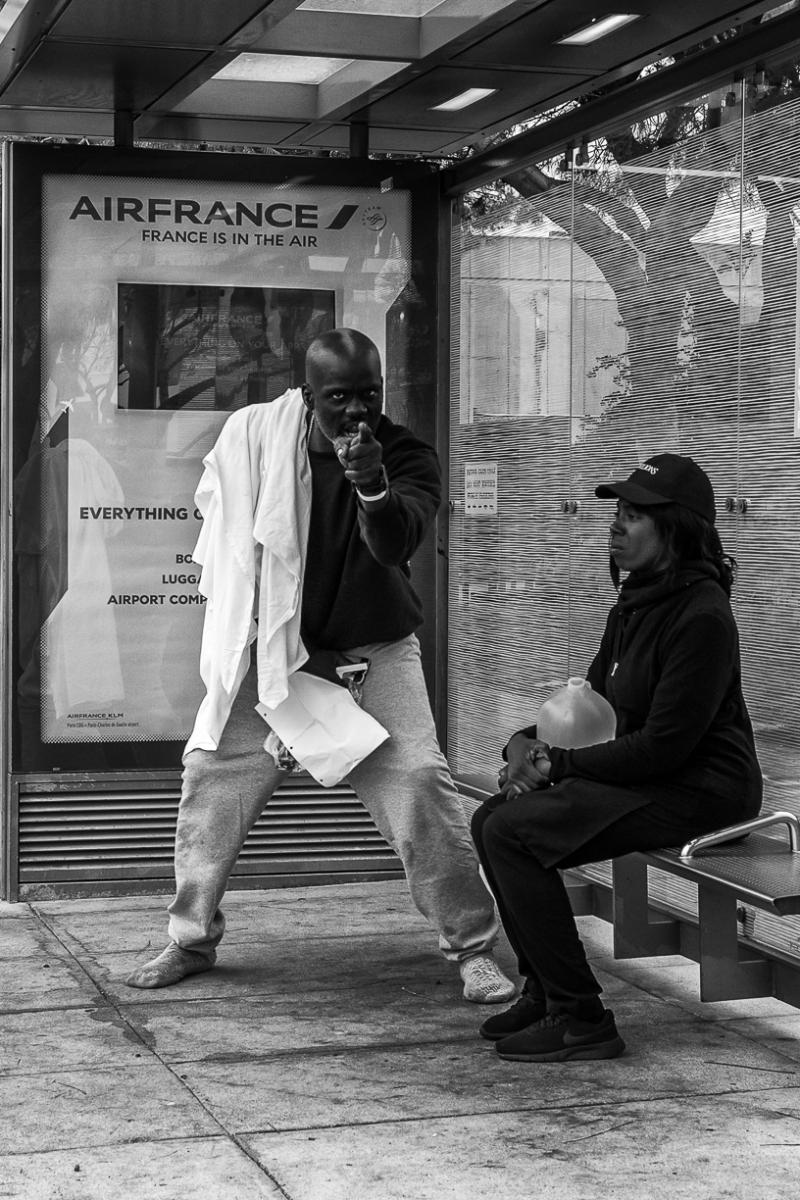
x=171, y=966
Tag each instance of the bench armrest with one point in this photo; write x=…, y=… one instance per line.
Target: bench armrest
x=732, y=833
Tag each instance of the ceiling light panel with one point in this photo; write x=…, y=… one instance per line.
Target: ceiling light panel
x=412, y=105
x=534, y=41
x=281, y=68
x=600, y=28
x=464, y=99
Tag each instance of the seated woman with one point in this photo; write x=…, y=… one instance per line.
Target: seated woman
x=683, y=761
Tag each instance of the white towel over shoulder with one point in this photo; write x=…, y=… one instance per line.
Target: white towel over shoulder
x=255, y=498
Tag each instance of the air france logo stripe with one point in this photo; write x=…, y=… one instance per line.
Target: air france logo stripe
x=345, y=214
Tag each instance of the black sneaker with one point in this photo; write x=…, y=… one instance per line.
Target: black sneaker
x=525, y=1012
x=560, y=1036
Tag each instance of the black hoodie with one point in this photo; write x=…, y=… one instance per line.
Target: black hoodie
x=669, y=665
x=357, y=586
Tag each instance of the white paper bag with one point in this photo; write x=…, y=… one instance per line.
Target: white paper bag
x=321, y=725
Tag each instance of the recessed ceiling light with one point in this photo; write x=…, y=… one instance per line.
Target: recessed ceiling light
x=464, y=99
x=281, y=68
x=599, y=28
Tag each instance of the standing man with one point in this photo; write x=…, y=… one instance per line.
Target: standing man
x=313, y=506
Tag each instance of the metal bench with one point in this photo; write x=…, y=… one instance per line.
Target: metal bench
x=732, y=867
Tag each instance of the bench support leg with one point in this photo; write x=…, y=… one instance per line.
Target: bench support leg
x=728, y=971
x=580, y=893
x=639, y=933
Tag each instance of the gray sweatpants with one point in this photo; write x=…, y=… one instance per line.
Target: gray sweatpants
x=405, y=785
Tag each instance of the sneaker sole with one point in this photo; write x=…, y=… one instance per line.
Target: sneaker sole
x=502, y=998
x=610, y=1049
x=498, y=1037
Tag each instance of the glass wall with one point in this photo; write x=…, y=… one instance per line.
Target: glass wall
x=638, y=298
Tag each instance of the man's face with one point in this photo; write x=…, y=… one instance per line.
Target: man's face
x=344, y=390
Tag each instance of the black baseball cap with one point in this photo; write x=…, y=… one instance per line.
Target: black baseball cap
x=666, y=479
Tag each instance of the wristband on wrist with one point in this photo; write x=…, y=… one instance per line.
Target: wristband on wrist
x=382, y=484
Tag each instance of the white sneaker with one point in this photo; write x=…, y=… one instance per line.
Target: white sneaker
x=484, y=982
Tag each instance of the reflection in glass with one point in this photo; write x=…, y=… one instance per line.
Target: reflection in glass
x=193, y=347
x=662, y=268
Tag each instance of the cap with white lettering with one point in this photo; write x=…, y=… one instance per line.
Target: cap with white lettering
x=666, y=479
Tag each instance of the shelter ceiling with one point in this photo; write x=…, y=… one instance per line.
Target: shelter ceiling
x=176, y=66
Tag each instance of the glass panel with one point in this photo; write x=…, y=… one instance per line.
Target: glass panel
x=605, y=311
x=769, y=529
x=669, y=282
x=682, y=328
x=510, y=414
x=664, y=231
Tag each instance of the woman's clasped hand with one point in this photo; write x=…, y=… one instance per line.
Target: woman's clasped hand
x=527, y=767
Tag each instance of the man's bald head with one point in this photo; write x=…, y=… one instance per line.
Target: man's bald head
x=339, y=343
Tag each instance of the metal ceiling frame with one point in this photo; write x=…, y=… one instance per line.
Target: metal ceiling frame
x=725, y=63
x=92, y=69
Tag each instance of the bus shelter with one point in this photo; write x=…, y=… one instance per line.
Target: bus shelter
x=573, y=235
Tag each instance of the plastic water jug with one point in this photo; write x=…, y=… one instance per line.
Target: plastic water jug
x=576, y=716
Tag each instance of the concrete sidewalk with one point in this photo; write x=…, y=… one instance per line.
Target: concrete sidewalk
x=330, y=1057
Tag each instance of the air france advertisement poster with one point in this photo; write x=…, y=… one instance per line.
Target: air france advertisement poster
x=168, y=304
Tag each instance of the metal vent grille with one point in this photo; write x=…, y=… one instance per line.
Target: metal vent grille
x=126, y=832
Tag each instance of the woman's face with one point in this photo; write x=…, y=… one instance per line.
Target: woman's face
x=634, y=542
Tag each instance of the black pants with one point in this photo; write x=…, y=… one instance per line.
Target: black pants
x=533, y=901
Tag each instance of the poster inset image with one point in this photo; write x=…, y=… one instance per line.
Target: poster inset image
x=194, y=347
